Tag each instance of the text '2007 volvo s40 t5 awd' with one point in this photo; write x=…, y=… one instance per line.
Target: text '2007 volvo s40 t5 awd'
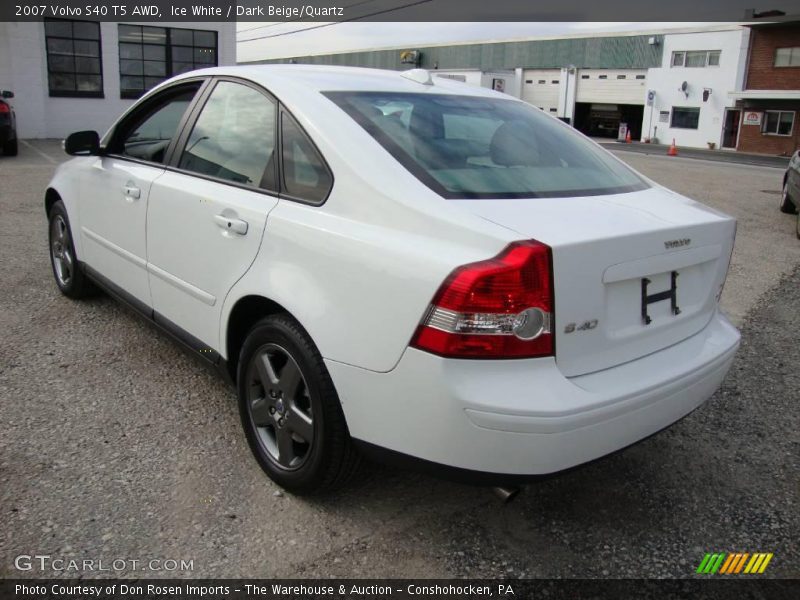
x=401, y=265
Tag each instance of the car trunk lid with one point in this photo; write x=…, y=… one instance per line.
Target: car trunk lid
x=633, y=273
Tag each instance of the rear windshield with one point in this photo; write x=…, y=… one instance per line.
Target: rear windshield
x=471, y=147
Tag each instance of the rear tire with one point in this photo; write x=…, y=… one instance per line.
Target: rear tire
x=11, y=147
x=70, y=278
x=797, y=227
x=787, y=203
x=290, y=411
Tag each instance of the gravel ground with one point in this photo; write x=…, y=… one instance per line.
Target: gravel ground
x=114, y=444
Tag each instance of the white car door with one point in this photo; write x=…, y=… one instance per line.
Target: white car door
x=115, y=190
x=208, y=212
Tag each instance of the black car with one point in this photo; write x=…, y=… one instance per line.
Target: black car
x=8, y=125
x=790, y=195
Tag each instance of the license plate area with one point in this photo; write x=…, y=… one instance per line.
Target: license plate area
x=650, y=297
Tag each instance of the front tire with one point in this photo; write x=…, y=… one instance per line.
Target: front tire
x=290, y=411
x=70, y=279
x=787, y=203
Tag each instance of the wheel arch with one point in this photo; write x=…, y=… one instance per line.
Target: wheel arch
x=244, y=314
x=51, y=196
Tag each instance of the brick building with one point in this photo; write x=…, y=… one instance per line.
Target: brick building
x=768, y=108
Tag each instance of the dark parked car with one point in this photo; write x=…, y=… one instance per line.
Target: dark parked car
x=790, y=195
x=8, y=125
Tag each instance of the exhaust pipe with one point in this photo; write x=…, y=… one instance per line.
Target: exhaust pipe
x=506, y=494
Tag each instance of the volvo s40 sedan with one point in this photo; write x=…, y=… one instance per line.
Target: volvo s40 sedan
x=399, y=265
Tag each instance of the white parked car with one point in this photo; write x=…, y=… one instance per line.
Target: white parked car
x=396, y=265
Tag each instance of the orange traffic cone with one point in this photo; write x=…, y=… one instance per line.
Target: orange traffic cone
x=628, y=137
x=673, y=150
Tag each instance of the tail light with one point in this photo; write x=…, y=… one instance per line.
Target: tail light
x=4, y=108
x=496, y=308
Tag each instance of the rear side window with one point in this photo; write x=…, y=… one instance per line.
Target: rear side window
x=305, y=175
x=146, y=134
x=234, y=137
x=476, y=147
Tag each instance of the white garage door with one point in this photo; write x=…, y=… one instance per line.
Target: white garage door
x=625, y=86
x=540, y=88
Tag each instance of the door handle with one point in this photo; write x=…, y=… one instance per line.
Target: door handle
x=131, y=191
x=231, y=224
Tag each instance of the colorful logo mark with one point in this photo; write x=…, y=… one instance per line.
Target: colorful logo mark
x=734, y=563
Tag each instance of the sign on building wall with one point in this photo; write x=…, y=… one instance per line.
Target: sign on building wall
x=752, y=117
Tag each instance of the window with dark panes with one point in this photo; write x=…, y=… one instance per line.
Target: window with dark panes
x=149, y=55
x=778, y=122
x=74, y=64
x=305, y=175
x=685, y=117
x=234, y=137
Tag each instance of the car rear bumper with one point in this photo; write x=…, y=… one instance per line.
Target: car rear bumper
x=523, y=417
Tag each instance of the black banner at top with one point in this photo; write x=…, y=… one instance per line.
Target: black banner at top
x=400, y=10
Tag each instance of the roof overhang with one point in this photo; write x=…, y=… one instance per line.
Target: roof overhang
x=765, y=95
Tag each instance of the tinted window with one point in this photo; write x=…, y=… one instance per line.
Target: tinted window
x=148, y=132
x=471, y=147
x=305, y=175
x=234, y=137
x=685, y=117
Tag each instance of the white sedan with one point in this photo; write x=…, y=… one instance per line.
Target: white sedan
x=402, y=266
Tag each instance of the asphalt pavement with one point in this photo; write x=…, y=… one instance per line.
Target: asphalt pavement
x=116, y=445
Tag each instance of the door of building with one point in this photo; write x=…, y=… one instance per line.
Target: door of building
x=730, y=132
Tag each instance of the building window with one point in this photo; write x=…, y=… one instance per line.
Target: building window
x=555, y=81
x=696, y=58
x=621, y=76
x=685, y=117
x=149, y=55
x=778, y=122
x=787, y=57
x=640, y=77
x=584, y=77
x=602, y=77
x=74, y=66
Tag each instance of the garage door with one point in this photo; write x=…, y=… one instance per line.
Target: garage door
x=540, y=88
x=627, y=86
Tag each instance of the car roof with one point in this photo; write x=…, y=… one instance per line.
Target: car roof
x=318, y=78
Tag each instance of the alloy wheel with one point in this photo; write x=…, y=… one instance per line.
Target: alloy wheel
x=279, y=406
x=61, y=251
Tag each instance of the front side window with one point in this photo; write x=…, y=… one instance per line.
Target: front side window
x=74, y=64
x=147, y=133
x=685, y=117
x=778, y=122
x=472, y=147
x=149, y=55
x=787, y=57
x=234, y=137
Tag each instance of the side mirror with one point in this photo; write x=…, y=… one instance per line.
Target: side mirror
x=7, y=94
x=82, y=143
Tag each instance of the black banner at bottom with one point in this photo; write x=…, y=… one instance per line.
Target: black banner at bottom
x=405, y=589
